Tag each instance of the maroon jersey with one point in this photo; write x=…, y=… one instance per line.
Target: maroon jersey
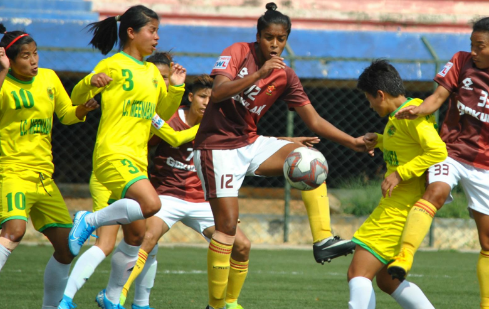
x=231, y=124
x=465, y=129
x=175, y=174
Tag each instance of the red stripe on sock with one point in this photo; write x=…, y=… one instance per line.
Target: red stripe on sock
x=218, y=249
x=484, y=254
x=425, y=207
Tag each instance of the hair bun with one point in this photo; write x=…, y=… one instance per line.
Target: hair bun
x=2, y=29
x=271, y=6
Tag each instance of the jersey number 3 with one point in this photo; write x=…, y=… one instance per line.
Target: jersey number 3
x=128, y=83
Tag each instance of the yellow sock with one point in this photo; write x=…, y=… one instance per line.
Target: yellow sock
x=138, y=268
x=218, y=256
x=317, y=206
x=237, y=277
x=417, y=225
x=483, y=275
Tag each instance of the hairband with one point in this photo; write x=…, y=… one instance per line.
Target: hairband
x=15, y=40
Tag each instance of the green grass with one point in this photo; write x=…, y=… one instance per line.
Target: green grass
x=277, y=279
x=360, y=198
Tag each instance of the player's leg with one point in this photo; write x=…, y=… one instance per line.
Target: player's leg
x=10, y=236
x=269, y=162
x=441, y=179
x=240, y=258
x=123, y=260
x=482, y=221
x=155, y=229
x=363, y=268
x=133, y=197
x=407, y=294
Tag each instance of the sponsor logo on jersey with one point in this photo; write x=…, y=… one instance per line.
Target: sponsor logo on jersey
x=50, y=93
x=467, y=83
x=465, y=110
x=446, y=68
x=180, y=165
x=222, y=62
x=243, y=72
x=138, y=109
x=33, y=126
x=255, y=110
x=270, y=89
x=155, y=82
x=391, y=131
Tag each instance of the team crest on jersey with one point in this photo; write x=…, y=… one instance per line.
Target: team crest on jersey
x=243, y=72
x=50, y=93
x=446, y=68
x=467, y=83
x=222, y=62
x=391, y=131
x=155, y=82
x=270, y=89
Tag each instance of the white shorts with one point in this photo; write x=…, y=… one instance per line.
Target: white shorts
x=222, y=171
x=474, y=181
x=197, y=216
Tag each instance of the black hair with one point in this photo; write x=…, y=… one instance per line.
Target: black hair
x=481, y=25
x=164, y=58
x=105, y=31
x=381, y=75
x=272, y=16
x=9, y=36
x=201, y=82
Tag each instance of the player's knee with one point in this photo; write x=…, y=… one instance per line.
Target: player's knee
x=437, y=194
x=135, y=238
x=484, y=242
x=241, y=248
x=107, y=248
x=385, y=284
x=150, y=206
x=150, y=238
x=14, y=233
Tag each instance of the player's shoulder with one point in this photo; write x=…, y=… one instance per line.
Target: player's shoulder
x=241, y=48
x=462, y=57
x=413, y=102
x=43, y=72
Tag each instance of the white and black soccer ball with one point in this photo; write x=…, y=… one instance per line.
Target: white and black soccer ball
x=305, y=168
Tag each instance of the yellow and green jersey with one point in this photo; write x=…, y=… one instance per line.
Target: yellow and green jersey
x=411, y=146
x=135, y=95
x=26, y=121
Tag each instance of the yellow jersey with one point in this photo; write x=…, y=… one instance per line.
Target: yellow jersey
x=136, y=94
x=26, y=121
x=410, y=147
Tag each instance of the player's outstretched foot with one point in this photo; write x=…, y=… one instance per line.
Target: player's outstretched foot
x=104, y=303
x=139, y=307
x=66, y=303
x=234, y=305
x=80, y=232
x=401, y=265
x=332, y=248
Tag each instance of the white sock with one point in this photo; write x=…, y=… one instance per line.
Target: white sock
x=84, y=268
x=145, y=281
x=410, y=296
x=361, y=294
x=4, y=253
x=123, y=261
x=55, y=278
x=122, y=211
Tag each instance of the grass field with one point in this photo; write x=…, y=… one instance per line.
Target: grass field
x=277, y=279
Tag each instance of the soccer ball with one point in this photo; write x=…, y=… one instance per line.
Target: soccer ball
x=305, y=168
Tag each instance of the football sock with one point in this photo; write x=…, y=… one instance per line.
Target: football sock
x=84, y=268
x=361, y=293
x=483, y=275
x=317, y=206
x=123, y=260
x=55, y=278
x=145, y=281
x=417, y=225
x=410, y=296
x=122, y=211
x=218, y=256
x=4, y=254
x=237, y=276
x=138, y=268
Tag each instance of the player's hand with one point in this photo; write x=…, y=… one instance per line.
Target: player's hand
x=4, y=62
x=359, y=145
x=91, y=104
x=274, y=63
x=177, y=74
x=100, y=80
x=410, y=112
x=370, y=140
x=389, y=183
x=305, y=140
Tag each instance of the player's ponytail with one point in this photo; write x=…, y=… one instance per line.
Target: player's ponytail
x=481, y=25
x=272, y=16
x=13, y=40
x=105, y=31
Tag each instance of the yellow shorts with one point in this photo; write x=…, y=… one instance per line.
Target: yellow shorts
x=25, y=194
x=118, y=175
x=380, y=234
x=100, y=194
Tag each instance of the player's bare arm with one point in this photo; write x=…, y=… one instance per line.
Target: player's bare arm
x=303, y=140
x=84, y=109
x=429, y=106
x=224, y=88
